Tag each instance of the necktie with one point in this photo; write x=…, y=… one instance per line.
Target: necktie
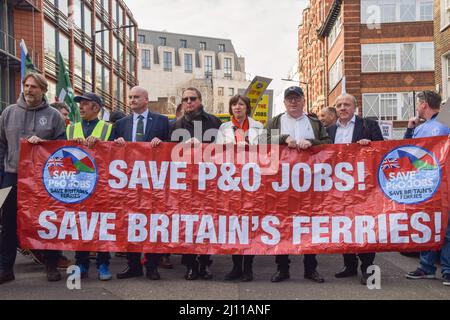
x=140, y=129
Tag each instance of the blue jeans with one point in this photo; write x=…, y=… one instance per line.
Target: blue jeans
x=428, y=258
x=82, y=258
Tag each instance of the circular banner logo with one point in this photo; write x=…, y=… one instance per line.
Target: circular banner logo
x=409, y=175
x=70, y=175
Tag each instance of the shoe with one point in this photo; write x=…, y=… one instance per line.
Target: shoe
x=64, y=262
x=314, y=276
x=346, y=272
x=6, y=276
x=84, y=272
x=165, y=263
x=205, y=273
x=247, y=276
x=234, y=274
x=191, y=274
x=103, y=273
x=365, y=276
x=420, y=274
x=153, y=274
x=53, y=274
x=446, y=278
x=280, y=275
x=130, y=273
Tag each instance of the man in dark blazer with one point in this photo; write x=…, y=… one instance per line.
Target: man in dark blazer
x=141, y=126
x=351, y=128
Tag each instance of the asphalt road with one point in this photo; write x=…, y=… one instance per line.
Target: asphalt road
x=31, y=283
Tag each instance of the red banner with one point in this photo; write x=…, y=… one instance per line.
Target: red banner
x=265, y=200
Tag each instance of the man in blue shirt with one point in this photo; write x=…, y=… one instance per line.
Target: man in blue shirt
x=428, y=106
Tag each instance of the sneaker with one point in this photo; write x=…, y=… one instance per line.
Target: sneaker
x=103, y=273
x=84, y=272
x=420, y=274
x=446, y=278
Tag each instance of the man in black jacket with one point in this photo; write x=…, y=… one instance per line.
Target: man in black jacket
x=351, y=128
x=195, y=126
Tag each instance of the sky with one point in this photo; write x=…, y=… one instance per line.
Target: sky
x=263, y=31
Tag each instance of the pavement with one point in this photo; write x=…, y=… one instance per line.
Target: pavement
x=31, y=284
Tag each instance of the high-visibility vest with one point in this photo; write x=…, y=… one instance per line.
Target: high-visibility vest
x=101, y=131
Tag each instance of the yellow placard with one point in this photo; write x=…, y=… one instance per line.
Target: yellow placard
x=256, y=90
x=261, y=113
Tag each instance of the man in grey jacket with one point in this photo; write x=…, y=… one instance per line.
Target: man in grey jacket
x=32, y=119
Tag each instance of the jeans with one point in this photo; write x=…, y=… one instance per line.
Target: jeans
x=428, y=258
x=82, y=258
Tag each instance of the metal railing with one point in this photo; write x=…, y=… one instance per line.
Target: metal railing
x=8, y=44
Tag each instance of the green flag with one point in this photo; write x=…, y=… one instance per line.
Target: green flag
x=64, y=91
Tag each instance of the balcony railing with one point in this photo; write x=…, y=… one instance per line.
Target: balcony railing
x=8, y=45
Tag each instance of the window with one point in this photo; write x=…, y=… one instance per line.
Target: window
x=183, y=43
x=220, y=91
x=77, y=19
x=335, y=31
x=231, y=92
x=114, y=48
x=78, y=67
x=64, y=48
x=445, y=13
x=167, y=61
x=146, y=63
x=62, y=6
x=162, y=41
x=87, y=21
x=397, y=106
x=208, y=66
x=227, y=67
x=388, y=11
x=99, y=76
x=141, y=38
x=391, y=57
x=336, y=73
x=188, y=63
x=49, y=41
x=202, y=45
x=446, y=76
x=221, y=47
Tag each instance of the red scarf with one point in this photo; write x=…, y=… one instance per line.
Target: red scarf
x=240, y=131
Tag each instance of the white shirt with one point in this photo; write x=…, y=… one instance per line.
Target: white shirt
x=298, y=129
x=135, y=122
x=344, y=134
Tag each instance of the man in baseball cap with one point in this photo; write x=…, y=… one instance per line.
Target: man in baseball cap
x=293, y=91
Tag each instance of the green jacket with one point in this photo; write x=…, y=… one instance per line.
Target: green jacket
x=320, y=133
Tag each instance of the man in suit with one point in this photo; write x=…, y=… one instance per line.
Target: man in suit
x=141, y=126
x=298, y=131
x=351, y=128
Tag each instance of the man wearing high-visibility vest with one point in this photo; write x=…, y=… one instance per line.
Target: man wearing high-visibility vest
x=89, y=131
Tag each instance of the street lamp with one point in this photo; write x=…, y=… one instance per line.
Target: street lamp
x=94, y=48
x=307, y=91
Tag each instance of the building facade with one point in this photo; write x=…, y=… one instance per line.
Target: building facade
x=71, y=27
x=442, y=47
x=169, y=63
x=380, y=51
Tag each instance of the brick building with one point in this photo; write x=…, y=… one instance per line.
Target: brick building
x=69, y=26
x=383, y=48
x=442, y=47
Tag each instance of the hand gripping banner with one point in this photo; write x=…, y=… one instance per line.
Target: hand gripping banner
x=213, y=199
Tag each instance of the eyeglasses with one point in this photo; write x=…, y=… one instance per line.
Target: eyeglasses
x=293, y=99
x=191, y=99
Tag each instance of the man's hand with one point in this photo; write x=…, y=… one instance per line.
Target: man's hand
x=91, y=141
x=413, y=122
x=80, y=141
x=291, y=143
x=363, y=142
x=35, y=140
x=304, y=145
x=120, y=141
x=155, y=142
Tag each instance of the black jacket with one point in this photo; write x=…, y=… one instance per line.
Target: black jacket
x=207, y=122
x=364, y=129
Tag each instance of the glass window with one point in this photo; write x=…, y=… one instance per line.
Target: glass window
x=407, y=10
x=87, y=21
x=78, y=66
x=141, y=38
x=426, y=56
x=62, y=6
x=397, y=106
x=408, y=57
x=146, y=62
x=162, y=41
x=220, y=91
x=131, y=63
x=114, y=48
x=49, y=41
x=121, y=51
x=64, y=48
x=221, y=47
x=183, y=43
x=336, y=73
x=335, y=31
x=388, y=10
x=88, y=70
x=77, y=13
x=208, y=66
x=98, y=36
x=105, y=36
x=167, y=61
x=99, y=76
x=227, y=67
x=370, y=58
x=388, y=60
x=105, y=5
x=188, y=63
x=426, y=10
x=202, y=45
x=231, y=92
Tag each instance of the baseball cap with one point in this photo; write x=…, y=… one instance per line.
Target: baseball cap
x=90, y=97
x=296, y=90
